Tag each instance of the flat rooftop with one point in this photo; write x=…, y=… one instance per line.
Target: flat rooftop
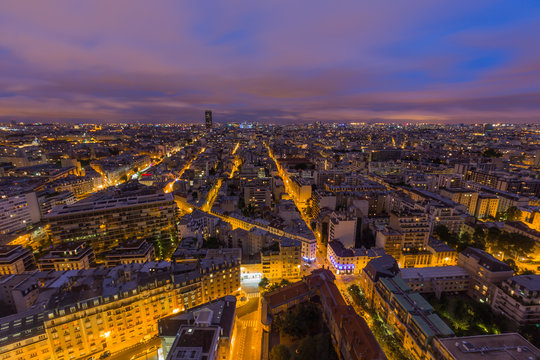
x=529, y=282
x=100, y=205
x=433, y=272
x=492, y=347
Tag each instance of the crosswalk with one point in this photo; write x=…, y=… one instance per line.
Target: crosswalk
x=253, y=295
x=249, y=323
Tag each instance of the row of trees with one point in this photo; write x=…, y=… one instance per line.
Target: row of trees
x=469, y=317
x=384, y=334
x=265, y=286
x=493, y=240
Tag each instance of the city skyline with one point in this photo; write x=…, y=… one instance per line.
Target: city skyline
x=273, y=63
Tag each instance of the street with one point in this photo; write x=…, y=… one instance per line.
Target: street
x=247, y=345
x=147, y=350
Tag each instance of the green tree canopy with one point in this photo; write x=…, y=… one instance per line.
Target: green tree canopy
x=280, y=352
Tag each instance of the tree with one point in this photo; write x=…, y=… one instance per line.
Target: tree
x=479, y=238
x=263, y=284
x=451, y=239
x=280, y=352
x=491, y=153
x=492, y=238
x=514, y=245
x=512, y=264
x=513, y=214
x=300, y=321
x=307, y=350
x=284, y=282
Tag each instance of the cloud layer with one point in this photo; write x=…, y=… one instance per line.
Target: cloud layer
x=274, y=61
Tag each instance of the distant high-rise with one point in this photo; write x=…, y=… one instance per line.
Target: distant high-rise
x=208, y=118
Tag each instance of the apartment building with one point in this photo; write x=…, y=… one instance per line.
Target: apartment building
x=206, y=331
x=96, y=311
x=301, y=189
x=407, y=312
x=18, y=212
x=486, y=206
x=436, y=279
x=67, y=256
x=220, y=276
x=15, y=259
x=486, y=273
x=342, y=227
x=466, y=197
x=414, y=226
x=80, y=186
x=511, y=346
x=282, y=262
x=131, y=251
x=518, y=298
x=351, y=336
x=257, y=193
x=104, y=223
x=344, y=261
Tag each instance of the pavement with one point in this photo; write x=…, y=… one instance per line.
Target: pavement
x=147, y=350
x=247, y=345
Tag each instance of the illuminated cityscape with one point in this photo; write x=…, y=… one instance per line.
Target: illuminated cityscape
x=195, y=182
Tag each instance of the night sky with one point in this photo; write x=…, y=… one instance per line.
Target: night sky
x=270, y=61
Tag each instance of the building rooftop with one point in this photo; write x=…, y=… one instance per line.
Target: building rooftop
x=510, y=346
x=110, y=204
x=486, y=260
x=384, y=266
x=433, y=272
x=529, y=282
x=9, y=253
x=194, y=343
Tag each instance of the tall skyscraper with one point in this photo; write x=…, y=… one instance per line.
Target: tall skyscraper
x=208, y=118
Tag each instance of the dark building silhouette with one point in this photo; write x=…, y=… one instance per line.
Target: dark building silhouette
x=208, y=118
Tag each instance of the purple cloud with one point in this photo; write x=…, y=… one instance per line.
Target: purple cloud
x=276, y=61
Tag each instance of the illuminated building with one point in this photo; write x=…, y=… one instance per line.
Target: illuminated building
x=105, y=223
x=521, y=228
x=530, y=215
x=15, y=259
x=407, y=312
x=436, y=279
x=510, y=346
x=466, y=197
x=351, y=336
x=220, y=276
x=407, y=230
x=201, y=329
x=283, y=262
x=94, y=311
x=486, y=206
x=257, y=194
x=67, y=256
x=78, y=185
x=349, y=261
x=342, y=227
x=18, y=212
x=486, y=273
x=47, y=199
x=132, y=251
x=301, y=189
x=518, y=298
